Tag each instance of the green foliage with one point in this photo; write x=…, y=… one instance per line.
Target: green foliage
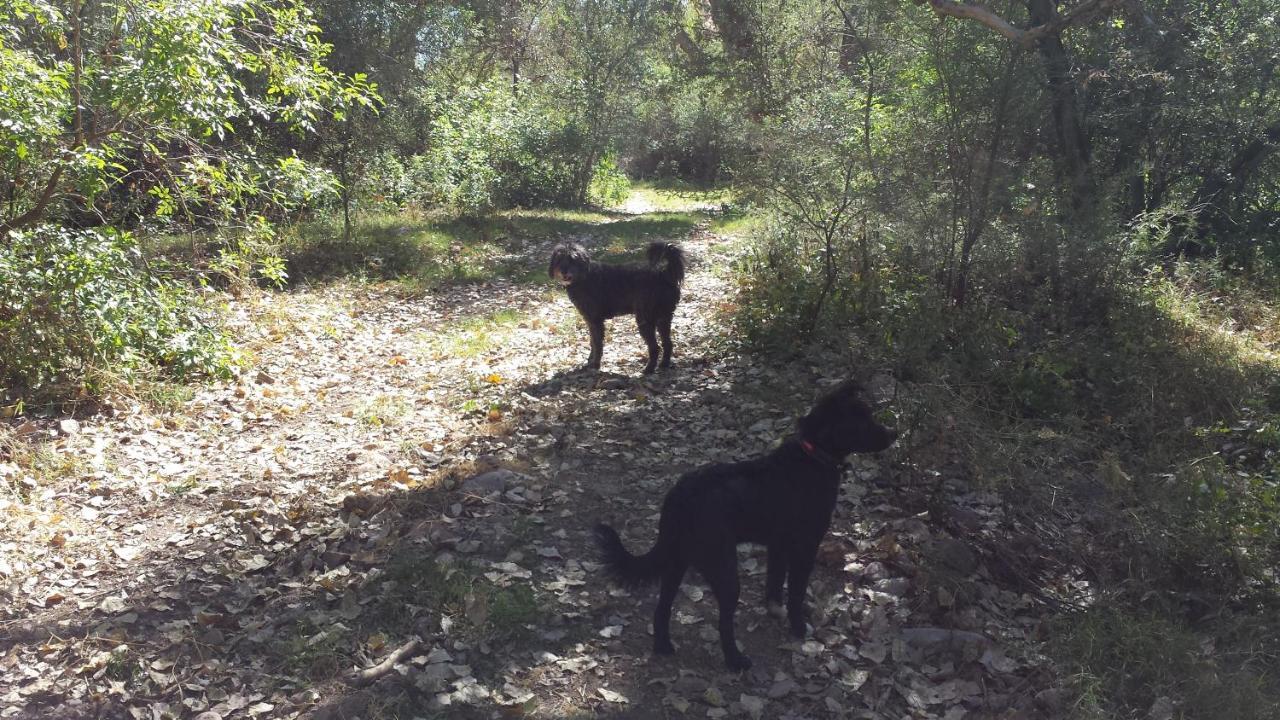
x=609, y=186
x=146, y=96
x=688, y=128
x=471, y=134
x=487, y=151
x=777, y=283
x=71, y=301
x=1123, y=662
x=146, y=115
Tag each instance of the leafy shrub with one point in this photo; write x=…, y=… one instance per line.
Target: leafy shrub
x=689, y=129
x=490, y=152
x=781, y=283
x=775, y=285
x=609, y=185
x=72, y=300
x=1123, y=662
x=545, y=159
x=472, y=131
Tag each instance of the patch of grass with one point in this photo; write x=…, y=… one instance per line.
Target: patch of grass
x=631, y=233
x=425, y=250
x=475, y=336
x=39, y=464
x=315, y=653
x=182, y=487
x=420, y=249
x=478, y=608
x=511, y=610
x=123, y=664
x=164, y=396
x=384, y=410
x=678, y=196
x=735, y=224
x=1122, y=662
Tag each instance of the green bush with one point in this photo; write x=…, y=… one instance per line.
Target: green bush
x=609, y=185
x=488, y=151
x=541, y=166
x=689, y=129
x=75, y=300
x=1122, y=662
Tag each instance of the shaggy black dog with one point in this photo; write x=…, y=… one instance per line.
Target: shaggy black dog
x=783, y=500
x=602, y=291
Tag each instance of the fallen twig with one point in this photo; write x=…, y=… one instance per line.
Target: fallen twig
x=369, y=675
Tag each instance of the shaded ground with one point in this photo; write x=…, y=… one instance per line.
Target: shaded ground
x=241, y=556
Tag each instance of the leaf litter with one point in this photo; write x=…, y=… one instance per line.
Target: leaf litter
x=381, y=500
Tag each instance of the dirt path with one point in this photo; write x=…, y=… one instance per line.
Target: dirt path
x=239, y=557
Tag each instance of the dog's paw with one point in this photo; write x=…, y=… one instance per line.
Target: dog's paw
x=738, y=662
x=799, y=630
x=648, y=370
x=775, y=608
x=663, y=648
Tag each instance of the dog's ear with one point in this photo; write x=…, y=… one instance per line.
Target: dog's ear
x=850, y=387
x=551, y=264
x=845, y=388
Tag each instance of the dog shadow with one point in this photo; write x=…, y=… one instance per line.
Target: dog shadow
x=581, y=379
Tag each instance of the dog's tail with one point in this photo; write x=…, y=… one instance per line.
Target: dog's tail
x=628, y=569
x=672, y=255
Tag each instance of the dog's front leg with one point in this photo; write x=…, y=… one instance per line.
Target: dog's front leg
x=597, y=343
x=799, y=568
x=777, y=573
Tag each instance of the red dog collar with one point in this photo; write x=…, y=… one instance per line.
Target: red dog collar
x=818, y=453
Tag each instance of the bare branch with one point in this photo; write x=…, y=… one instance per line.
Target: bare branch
x=978, y=13
x=35, y=211
x=368, y=675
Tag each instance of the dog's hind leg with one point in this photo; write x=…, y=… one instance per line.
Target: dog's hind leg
x=650, y=340
x=777, y=573
x=597, y=343
x=664, y=330
x=722, y=575
x=671, y=579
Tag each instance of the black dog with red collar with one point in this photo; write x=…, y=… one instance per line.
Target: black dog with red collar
x=783, y=500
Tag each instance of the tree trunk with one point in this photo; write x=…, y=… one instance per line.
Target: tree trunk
x=1074, y=152
x=344, y=179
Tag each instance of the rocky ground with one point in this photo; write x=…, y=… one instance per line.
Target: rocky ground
x=389, y=516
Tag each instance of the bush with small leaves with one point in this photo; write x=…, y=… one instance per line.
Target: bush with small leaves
x=75, y=300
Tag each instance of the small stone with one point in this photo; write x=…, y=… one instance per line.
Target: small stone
x=494, y=481
x=953, y=554
x=690, y=685
x=751, y=705
x=713, y=697
x=781, y=688
x=434, y=678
